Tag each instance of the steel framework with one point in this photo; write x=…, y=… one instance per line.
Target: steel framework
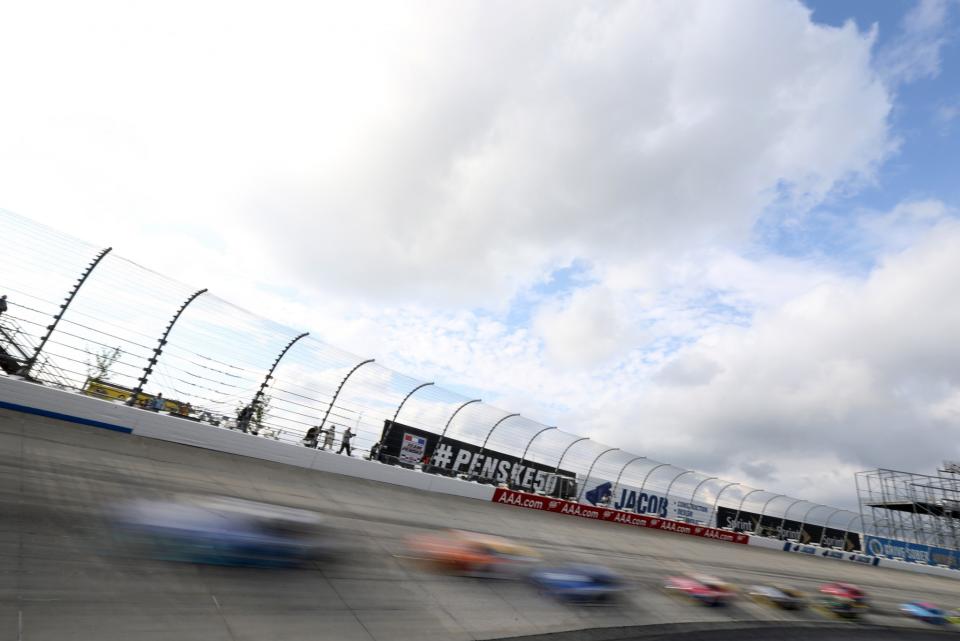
x=911, y=507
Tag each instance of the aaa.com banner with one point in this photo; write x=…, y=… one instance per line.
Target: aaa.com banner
x=547, y=504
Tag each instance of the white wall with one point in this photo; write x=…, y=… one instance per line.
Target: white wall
x=110, y=415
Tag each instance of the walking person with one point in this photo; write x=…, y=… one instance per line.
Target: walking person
x=158, y=403
x=311, y=437
x=345, y=443
x=3, y=304
x=328, y=435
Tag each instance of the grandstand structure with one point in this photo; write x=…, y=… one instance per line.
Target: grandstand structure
x=83, y=318
x=915, y=508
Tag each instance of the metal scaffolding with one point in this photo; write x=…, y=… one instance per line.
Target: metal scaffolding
x=912, y=507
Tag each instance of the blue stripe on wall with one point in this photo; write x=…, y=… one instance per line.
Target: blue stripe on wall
x=64, y=417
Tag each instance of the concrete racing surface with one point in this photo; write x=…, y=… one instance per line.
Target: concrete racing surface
x=738, y=631
x=63, y=575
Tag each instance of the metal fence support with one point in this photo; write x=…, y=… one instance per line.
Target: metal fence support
x=786, y=512
x=567, y=449
x=693, y=496
x=490, y=433
x=715, y=518
x=846, y=532
x=670, y=485
x=806, y=515
x=386, y=434
x=450, y=420
x=590, y=471
x=530, y=442
x=28, y=366
x=337, y=393
x=736, y=519
x=616, y=484
x=649, y=472
x=826, y=524
x=764, y=509
x=258, y=397
x=159, y=348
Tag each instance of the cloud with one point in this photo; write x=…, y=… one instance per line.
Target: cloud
x=448, y=154
x=914, y=53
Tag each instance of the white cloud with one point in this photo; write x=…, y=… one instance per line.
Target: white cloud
x=437, y=152
x=915, y=52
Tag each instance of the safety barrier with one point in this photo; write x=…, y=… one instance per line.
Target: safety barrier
x=40, y=400
x=30, y=398
x=571, y=508
x=819, y=552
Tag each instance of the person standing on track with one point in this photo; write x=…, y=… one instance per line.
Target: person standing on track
x=328, y=435
x=345, y=443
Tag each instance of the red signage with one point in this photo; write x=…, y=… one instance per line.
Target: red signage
x=548, y=504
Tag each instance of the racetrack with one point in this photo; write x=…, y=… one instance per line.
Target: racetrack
x=61, y=577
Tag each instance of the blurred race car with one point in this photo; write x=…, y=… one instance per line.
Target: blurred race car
x=845, y=591
x=223, y=531
x=843, y=599
x=474, y=554
x=925, y=612
x=579, y=583
x=786, y=598
x=704, y=589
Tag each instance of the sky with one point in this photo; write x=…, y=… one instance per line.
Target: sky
x=724, y=235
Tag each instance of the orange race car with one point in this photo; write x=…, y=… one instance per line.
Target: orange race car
x=473, y=554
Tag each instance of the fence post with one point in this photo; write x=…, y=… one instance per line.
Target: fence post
x=764, y=509
x=28, y=366
x=590, y=471
x=450, y=420
x=736, y=518
x=337, y=393
x=159, y=349
x=527, y=449
x=386, y=434
x=715, y=517
x=489, y=434
x=258, y=397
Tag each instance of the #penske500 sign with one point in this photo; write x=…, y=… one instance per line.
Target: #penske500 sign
x=547, y=504
x=451, y=456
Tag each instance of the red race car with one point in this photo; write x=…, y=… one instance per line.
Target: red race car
x=706, y=590
x=845, y=591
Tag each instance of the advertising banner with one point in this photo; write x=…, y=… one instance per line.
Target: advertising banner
x=570, y=508
x=727, y=517
x=912, y=552
x=814, y=550
x=453, y=457
x=631, y=499
x=413, y=448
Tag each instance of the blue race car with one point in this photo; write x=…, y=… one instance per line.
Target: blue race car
x=223, y=531
x=925, y=612
x=579, y=583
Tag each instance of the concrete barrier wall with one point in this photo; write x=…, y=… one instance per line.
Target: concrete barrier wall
x=19, y=395
x=851, y=557
x=76, y=408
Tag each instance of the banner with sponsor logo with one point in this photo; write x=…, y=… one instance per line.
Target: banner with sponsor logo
x=413, y=448
x=826, y=553
x=631, y=499
x=775, y=527
x=570, y=508
x=912, y=552
x=452, y=457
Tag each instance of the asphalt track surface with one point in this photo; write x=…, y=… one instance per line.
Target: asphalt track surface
x=62, y=577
